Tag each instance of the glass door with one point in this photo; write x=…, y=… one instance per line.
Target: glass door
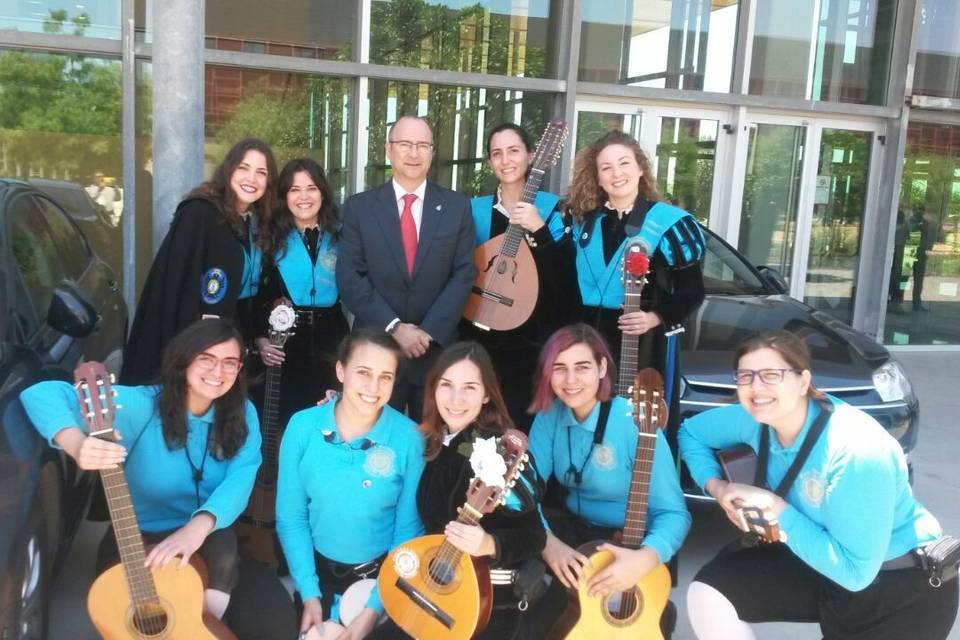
x=683, y=145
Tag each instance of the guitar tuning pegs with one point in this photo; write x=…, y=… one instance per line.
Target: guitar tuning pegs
x=113, y=379
x=521, y=467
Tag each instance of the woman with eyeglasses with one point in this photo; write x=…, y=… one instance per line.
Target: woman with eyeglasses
x=209, y=262
x=837, y=484
x=190, y=448
x=584, y=436
x=348, y=484
x=300, y=259
x=510, y=154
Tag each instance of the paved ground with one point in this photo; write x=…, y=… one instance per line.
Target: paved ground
x=936, y=483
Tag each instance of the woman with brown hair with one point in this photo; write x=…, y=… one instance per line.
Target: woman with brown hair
x=853, y=537
x=209, y=262
x=614, y=202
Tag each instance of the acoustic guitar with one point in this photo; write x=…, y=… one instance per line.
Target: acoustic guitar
x=635, y=613
x=255, y=527
x=430, y=588
x=505, y=292
x=129, y=601
x=636, y=264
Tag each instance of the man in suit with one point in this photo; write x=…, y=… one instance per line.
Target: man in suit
x=406, y=259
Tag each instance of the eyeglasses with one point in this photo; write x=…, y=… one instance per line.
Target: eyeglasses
x=230, y=366
x=744, y=377
x=406, y=146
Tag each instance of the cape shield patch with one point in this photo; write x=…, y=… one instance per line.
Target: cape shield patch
x=213, y=285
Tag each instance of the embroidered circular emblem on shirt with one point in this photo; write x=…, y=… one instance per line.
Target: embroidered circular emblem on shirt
x=366, y=484
x=405, y=562
x=329, y=261
x=380, y=461
x=603, y=456
x=812, y=487
x=584, y=236
x=213, y=285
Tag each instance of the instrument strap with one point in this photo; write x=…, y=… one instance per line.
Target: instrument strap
x=598, y=433
x=816, y=429
x=637, y=216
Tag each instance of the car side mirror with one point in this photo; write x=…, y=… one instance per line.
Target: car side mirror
x=774, y=279
x=71, y=313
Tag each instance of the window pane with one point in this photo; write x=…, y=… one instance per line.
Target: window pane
x=60, y=122
x=93, y=18
x=838, y=209
x=297, y=115
x=684, y=160
x=300, y=28
x=771, y=195
x=507, y=37
x=938, y=50
x=35, y=253
x=924, y=296
x=73, y=253
x=836, y=51
x=673, y=44
x=460, y=118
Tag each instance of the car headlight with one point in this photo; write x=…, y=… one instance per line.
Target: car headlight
x=891, y=382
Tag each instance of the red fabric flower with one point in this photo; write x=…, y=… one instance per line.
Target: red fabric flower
x=638, y=262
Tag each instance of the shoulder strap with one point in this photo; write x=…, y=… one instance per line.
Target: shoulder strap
x=602, y=422
x=816, y=429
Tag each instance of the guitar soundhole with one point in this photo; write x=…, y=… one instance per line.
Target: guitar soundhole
x=441, y=572
x=150, y=621
x=620, y=608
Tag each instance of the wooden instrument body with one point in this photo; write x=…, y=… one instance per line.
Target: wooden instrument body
x=588, y=618
x=181, y=595
x=507, y=287
x=255, y=527
x=465, y=600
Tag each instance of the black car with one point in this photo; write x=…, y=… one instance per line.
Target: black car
x=59, y=305
x=742, y=300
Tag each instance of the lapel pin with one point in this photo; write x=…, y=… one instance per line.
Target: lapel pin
x=439, y=206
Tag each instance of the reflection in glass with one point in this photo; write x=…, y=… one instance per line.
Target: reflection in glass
x=838, y=209
x=938, y=50
x=92, y=18
x=591, y=125
x=61, y=121
x=479, y=36
x=684, y=163
x=460, y=118
x=837, y=51
x=924, y=297
x=771, y=195
x=297, y=115
x=143, y=107
x=672, y=44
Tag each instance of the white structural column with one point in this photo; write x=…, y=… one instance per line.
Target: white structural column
x=178, y=106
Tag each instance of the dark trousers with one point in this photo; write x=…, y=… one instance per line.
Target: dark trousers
x=769, y=583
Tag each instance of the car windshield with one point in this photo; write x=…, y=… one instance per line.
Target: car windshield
x=725, y=272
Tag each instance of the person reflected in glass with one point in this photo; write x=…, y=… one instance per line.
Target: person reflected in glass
x=347, y=490
x=299, y=263
x=209, y=262
x=850, y=526
x=926, y=226
x=514, y=352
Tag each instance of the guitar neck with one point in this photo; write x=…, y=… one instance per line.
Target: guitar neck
x=514, y=234
x=129, y=541
x=629, y=345
x=269, y=427
x=468, y=515
x=635, y=521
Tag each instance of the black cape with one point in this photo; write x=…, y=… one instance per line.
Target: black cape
x=198, y=270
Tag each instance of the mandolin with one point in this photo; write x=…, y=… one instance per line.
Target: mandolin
x=430, y=588
x=636, y=613
x=505, y=292
x=636, y=263
x=129, y=601
x=255, y=528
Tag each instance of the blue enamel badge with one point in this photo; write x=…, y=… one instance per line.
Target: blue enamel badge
x=213, y=286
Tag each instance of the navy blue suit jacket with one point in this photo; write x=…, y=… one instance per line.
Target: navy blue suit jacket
x=372, y=269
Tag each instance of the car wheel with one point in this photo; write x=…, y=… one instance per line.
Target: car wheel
x=29, y=609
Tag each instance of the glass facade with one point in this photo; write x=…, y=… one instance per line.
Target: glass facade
x=835, y=51
x=506, y=37
x=460, y=118
x=91, y=18
x=924, y=296
x=937, y=71
x=667, y=44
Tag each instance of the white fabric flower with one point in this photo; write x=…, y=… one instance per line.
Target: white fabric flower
x=282, y=317
x=487, y=464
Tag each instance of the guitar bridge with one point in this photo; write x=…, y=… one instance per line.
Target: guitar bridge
x=424, y=603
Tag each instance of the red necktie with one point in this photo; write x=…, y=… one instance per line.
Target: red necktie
x=408, y=231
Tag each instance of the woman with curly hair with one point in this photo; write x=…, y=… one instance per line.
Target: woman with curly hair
x=614, y=202
x=190, y=447
x=209, y=262
x=300, y=258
